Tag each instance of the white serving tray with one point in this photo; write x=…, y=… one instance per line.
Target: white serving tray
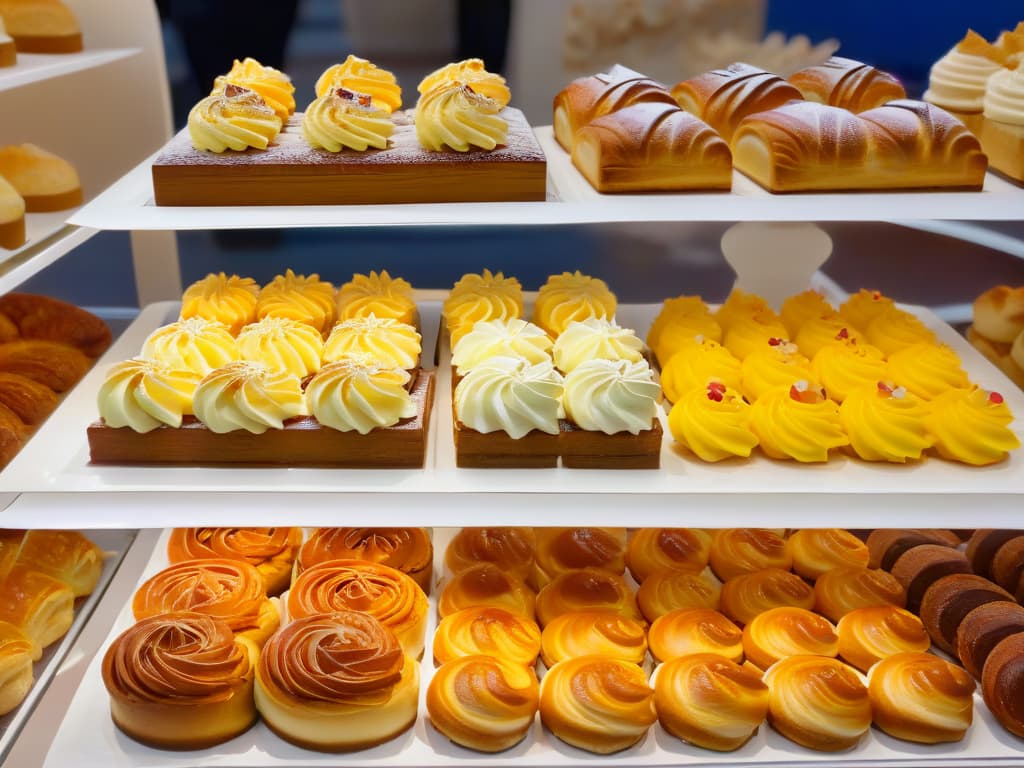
x=87, y=737
x=36, y=67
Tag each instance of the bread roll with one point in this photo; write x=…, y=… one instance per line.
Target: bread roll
x=742, y=550
x=918, y=568
x=560, y=550
x=668, y=590
x=37, y=604
x=689, y=631
x=886, y=545
x=29, y=400
x=511, y=549
x=586, y=589
x=982, y=629
x=409, y=550
x=66, y=555
x=58, y=366
x=815, y=551
x=487, y=631
x=270, y=550
x=651, y=549
x=949, y=599
x=849, y=84
x=41, y=317
x=1002, y=683
x=750, y=594
x=999, y=316
x=845, y=589
x=779, y=633
x=588, y=633
x=868, y=635
x=16, y=651
x=486, y=584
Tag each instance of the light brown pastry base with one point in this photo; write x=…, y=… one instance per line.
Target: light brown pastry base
x=1004, y=145
x=48, y=43
x=496, y=450
x=290, y=172
x=973, y=120
x=303, y=442
x=171, y=727
x=340, y=747
x=8, y=54
x=581, y=449
x=60, y=201
x=12, y=234
x=663, y=177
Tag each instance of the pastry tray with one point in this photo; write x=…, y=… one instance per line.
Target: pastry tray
x=87, y=738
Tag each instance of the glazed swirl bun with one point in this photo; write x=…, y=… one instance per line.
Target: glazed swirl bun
x=560, y=550
x=511, y=549
x=588, y=589
x=487, y=631
x=816, y=551
x=710, y=701
x=387, y=594
x=181, y=680
x=669, y=590
x=336, y=682
x=486, y=584
x=651, y=549
x=783, y=632
x=596, y=703
x=818, y=702
x=483, y=703
x=743, y=550
x=689, y=631
x=228, y=590
x=271, y=550
x=588, y=633
x=750, y=594
x=408, y=550
x=868, y=635
x=847, y=588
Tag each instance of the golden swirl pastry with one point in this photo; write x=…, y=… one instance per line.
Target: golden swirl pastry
x=384, y=339
x=779, y=633
x=387, y=594
x=408, y=550
x=746, y=596
x=586, y=633
x=560, y=550
x=678, y=308
x=868, y=635
x=379, y=295
x=16, y=653
x=181, y=680
x=825, y=331
x=752, y=334
x=694, y=364
x=362, y=76
x=972, y=426
x=234, y=118
x=803, y=307
x=842, y=368
x=815, y=551
x=740, y=305
x=927, y=370
x=273, y=85
x=488, y=631
x=143, y=395
x=598, y=704
x=482, y=298
x=195, y=344
x=586, y=589
x=483, y=703
x=572, y=296
x=779, y=363
x=336, y=682
x=669, y=589
x=818, y=702
x=847, y=588
x=229, y=300
x=249, y=396
x=885, y=422
x=710, y=701
x=689, y=631
x=282, y=345
x=864, y=306
x=895, y=329
x=922, y=698
x=682, y=331
x=743, y=550
x=453, y=116
x=511, y=549
x=651, y=549
x=38, y=604
x=469, y=72
x=305, y=299
x=712, y=421
x=344, y=119
x=486, y=584
x=798, y=422
x=360, y=394
x=271, y=550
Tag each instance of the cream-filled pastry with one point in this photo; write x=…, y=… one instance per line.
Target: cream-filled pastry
x=777, y=363
x=486, y=584
x=303, y=298
x=273, y=85
x=235, y=118
x=798, y=422
x=271, y=550
x=510, y=395
x=342, y=119
x=689, y=631
x=453, y=116
x=885, y=422
x=957, y=80
x=927, y=370
x=225, y=299
x=712, y=421
x=408, y=550
x=1002, y=134
x=695, y=365
x=248, y=396
x=585, y=633
x=611, y=396
x=743, y=550
x=753, y=333
x=595, y=339
x=972, y=426
x=896, y=329
x=195, y=344
x=748, y=595
x=383, y=339
x=480, y=298
x=802, y=307
x=922, y=698
x=569, y=297
x=826, y=331
x=359, y=395
x=488, y=631
x=362, y=76
x=842, y=368
x=377, y=294
x=864, y=306
x=846, y=588
x=282, y=345
x=680, y=330
x=473, y=73
x=500, y=338
x=143, y=395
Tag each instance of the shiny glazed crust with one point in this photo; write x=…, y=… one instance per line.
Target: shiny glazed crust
x=511, y=549
x=39, y=605
x=849, y=84
x=586, y=589
x=845, y=589
x=651, y=549
x=408, y=550
x=270, y=550
x=560, y=550
x=65, y=555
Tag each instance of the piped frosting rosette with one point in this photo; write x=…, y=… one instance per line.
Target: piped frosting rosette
x=377, y=294
x=501, y=338
x=611, y=396
x=972, y=426
x=273, y=85
x=195, y=344
x=572, y=297
x=473, y=73
x=379, y=338
x=225, y=299
x=454, y=116
x=713, y=422
x=483, y=297
x=885, y=422
x=684, y=310
x=489, y=631
x=842, y=368
x=595, y=339
x=282, y=345
x=509, y=394
x=249, y=396
x=802, y=307
x=927, y=370
x=270, y=550
x=343, y=119
x=236, y=118
x=797, y=422
x=957, y=80
x=408, y=550
x=362, y=76
x=143, y=395
x=359, y=394
x=696, y=363
x=303, y=298
x=777, y=363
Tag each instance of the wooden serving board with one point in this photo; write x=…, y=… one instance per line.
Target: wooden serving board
x=290, y=172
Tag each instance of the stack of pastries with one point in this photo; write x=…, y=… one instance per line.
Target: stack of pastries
x=997, y=330
x=32, y=180
x=869, y=378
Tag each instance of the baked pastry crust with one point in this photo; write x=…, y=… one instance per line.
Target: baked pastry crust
x=45, y=181
x=65, y=555
x=12, y=434
x=59, y=366
x=586, y=589
x=42, y=26
x=588, y=633
x=15, y=666
x=651, y=549
x=735, y=551
x=560, y=550
x=848, y=588
x=488, y=631
x=40, y=317
x=847, y=83
x=746, y=596
x=1002, y=683
x=689, y=631
x=486, y=584
x=984, y=628
x=1004, y=145
x=38, y=604
x=12, y=216
x=921, y=566
x=511, y=549
x=868, y=635
x=408, y=550
x=30, y=400
x=270, y=550
x=786, y=631
x=668, y=590
x=949, y=599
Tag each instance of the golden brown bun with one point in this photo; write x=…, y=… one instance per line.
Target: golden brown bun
x=982, y=548
x=486, y=584
x=689, y=631
x=12, y=216
x=560, y=550
x=815, y=551
x=511, y=549
x=37, y=604
x=66, y=555
x=886, y=545
x=995, y=352
x=12, y=434
x=1002, y=683
x=845, y=589
x=782, y=632
x=983, y=629
x=652, y=148
x=41, y=26
x=181, y=681
x=40, y=317
x=652, y=549
x=586, y=589
x=58, y=366
x=409, y=550
x=746, y=596
x=867, y=635
x=710, y=701
x=804, y=147
x=668, y=590
x=270, y=550
x=818, y=702
x=743, y=550
x=599, y=704
x=849, y=84
x=487, y=631
x=483, y=703
x=590, y=633
x=919, y=568
x=1008, y=567
x=46, y=182
x=949, y=599
x=16, y=652
x=919, y=697
x=723, y=97
x=30, y=400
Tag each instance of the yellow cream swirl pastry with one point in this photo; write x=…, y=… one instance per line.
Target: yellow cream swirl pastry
x=842, y=368
x=864, y=306
x=714, y=423
x=748, y=334
x=710, y=701
x=453, y=116
x=595, y=339
x=490, y=631
x=799, y=309
x=696, y=364
x=305, y=299
x=797, y=422
x=501, y=338
x=678, y=308
x=379, y=295
x=894, y=330
x=389, y=341
x=972, y=426
x=194, y=344
x=688, y=631
x=342, y=119
x=282, y=345
x=235, y=119
x=479, y=298
x=483, y=703
x=362, y=76
x=927, y=370
x=469, y=72
x=229, y=300
x=683, y=330
x=868, y=635
x=740, y=305
x=611, y=396
x=272, y=84
x=249, y=396
x=957, y=80
x=885, y=423
x=572, y=296
x=593, y=632
x=510, y=395
x=358, y=394
x=823, y=331
x=786, y=631
x=777, y=363
x=144, y=394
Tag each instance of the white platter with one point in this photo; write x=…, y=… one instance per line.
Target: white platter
x=87, y=737
x=36, y=67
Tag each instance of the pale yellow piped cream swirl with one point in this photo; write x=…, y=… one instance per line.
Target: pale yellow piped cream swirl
x=272, y=84
x=572, y=296
x=957, y=80
x=1004, y=96
x=282, y=345
x=469, y=72
x=512, y=395
x=379, y=338
x=358, y=394
x=611, y=396
x=479, y=298
x=194, y=344
x=304, y=298
x=454, y=116
x=713, y=422
x=227, y=299
x=144, y=394
x=343, y=119
x=249, y=396
x=377, y=294
x=235, y=119
x=595, y=339
x=362, y=76
x=797, y=422
x=885, y=422
x=501, y=338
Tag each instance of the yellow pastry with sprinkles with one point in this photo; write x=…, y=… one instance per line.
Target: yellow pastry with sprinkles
x=714, y=423
x=282, y=345
x=696, y=364
x=386, y=340
x=455, y=117
x=805, y=306
x=885, y=422
x=236, y=118
x=972, y=426
x=229, y=300
x=928, y=370
x=479, y=298
x=797, y=422
x=379, y=295
x=778, y=363
x=362, y=76
x=473, y=73
x=682, y=330
x=842, y=368
x=572, y=296
x=681, y=308
x=194, y=344
x=827, y=330
x=864, y=306
x=895, y=329
x=752, y=333
x=740, y=305
x=273, y=85
x=343, y=119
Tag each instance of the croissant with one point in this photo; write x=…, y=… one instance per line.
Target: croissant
x=59, y=366
x=488, y=631
x=408, y=550
x=10, y=547
x=66, y=555
x=16, y=652
x=31, y=401
x=12, y=434
x=270, y=550
x=37, y=604
x=849, y=84
x=40, y=317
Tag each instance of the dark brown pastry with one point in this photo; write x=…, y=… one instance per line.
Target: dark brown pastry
x=58, y=366
x=1002, y=683
x=40, y=317
x=982, y=629
x=29, y=399
x=983, y=546
x=949, y=599
x=1008, y=567
x=921, y=566
x=885, y=545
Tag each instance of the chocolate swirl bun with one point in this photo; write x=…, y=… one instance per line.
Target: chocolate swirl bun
x=816, y=551
x=588, y=589
x=486, y=584
x=560, y=550
x=181, y=680
x=408, y=550
x=691, y=631
x=1002, y=683
x=982, y=547
x=886, y=545
x=845, y=589
x=336, y=682
x=487, y=631
x=652, y=549
x=919, y=568
x=868, y=635
x=950, y=599
x=667, y=590
x=271, y=550
x=735, y=551
x=511, y=549
x=1008, y=567
x=588, y=633
x=750, y=594
x=783, y=632
x=983, y=629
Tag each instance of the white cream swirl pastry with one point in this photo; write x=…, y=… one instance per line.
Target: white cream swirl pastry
x=380, y=338
x=358, y=394
x=235, y=119
x=1004, y=96
x=194, y=344
x=595, y=339
x=143, y=394
x=282, y=345
x=511, y=395
x=343, y=119
x=501, y=338
x=453, y=115
x=611, y=396
x=957, y=80
x=249, y=396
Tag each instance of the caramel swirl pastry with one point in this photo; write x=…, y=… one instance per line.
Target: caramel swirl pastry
x=596, y=703
x=710, y=701
x=483, y=703
x=410, y=550
x=487, y=631
x=336, y=682
x=560, y=550
x=783, y=632
x=668, y=590
x=511, y=549
x=690, y=631
x=868, y=635
x=743, y=550
x=750, y=594
x=587, y=589
x=816, y=551
x=270, y=550
x=652, y=549
x=486, y=584
x=847, y=588
x=589, y=633
x=387, y=594
x=181, y=680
